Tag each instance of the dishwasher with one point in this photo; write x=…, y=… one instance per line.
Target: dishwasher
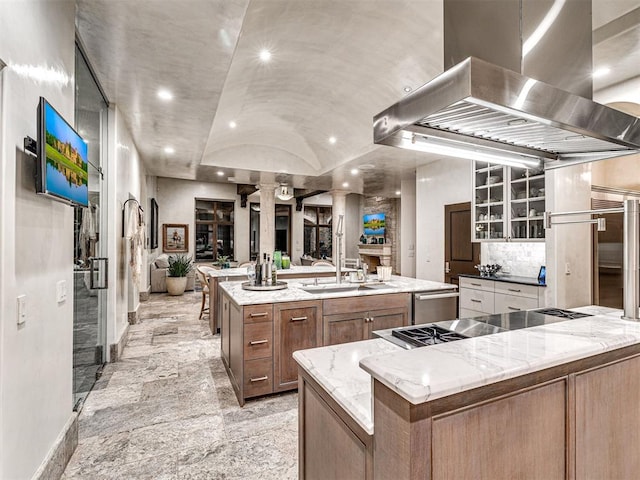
x=435, y=306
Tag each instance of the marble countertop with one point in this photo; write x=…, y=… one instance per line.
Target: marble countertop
x=507, y=279
x=424, y=374
x=294, y=293
x=336, y=369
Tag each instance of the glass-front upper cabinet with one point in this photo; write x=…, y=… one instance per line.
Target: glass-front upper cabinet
x=489, y=208
x=527, y=204
x=508, y=204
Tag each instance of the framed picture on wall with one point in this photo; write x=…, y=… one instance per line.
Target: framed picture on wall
x=175, y=237
x=153, y=235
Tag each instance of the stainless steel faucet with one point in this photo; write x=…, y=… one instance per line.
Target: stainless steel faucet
x=338, y=258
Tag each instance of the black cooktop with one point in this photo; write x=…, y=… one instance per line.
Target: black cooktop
x=427, y=335
x=558, y=312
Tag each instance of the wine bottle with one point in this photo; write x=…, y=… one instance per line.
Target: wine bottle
x=264, y=269
x=274, y=274
x=258, y=271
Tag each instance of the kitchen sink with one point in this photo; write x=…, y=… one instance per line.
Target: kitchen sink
x=376, y=286
x=329, y=287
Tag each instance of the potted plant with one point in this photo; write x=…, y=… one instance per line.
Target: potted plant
x=179, y=267
x=223, y=261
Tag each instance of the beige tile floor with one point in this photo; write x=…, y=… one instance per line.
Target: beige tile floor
x=167, y=409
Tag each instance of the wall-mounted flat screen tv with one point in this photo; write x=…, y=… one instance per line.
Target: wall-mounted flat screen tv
x=62, y=171
x=374, y=224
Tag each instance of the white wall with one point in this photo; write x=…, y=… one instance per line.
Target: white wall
x=176, y=204
x=36, y=240
x=408, y=228
x=438, y=184
x=125, y=178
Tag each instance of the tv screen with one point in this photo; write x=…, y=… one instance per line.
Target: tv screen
x=62, y=172
x=374, y=224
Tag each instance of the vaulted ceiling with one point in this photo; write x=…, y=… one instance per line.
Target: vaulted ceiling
x=303, y=117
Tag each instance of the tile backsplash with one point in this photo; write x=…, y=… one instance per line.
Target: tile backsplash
x=517, y=258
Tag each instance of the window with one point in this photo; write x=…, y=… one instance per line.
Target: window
x=282, y=229
x=214, y=229
x=317, y=231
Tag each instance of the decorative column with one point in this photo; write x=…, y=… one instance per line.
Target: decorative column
x=267, y=218
x=338, y=208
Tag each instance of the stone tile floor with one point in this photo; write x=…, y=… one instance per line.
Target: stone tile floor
x=167, y=409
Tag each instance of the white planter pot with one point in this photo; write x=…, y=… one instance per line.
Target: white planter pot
x=176, y=285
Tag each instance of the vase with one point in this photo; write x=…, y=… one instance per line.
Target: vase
x=176, y=285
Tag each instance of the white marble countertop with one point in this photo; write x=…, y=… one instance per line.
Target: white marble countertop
x=336, y=369
x=424, y=374
x=293, y=293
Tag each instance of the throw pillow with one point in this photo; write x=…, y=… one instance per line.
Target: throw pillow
x=162, y=261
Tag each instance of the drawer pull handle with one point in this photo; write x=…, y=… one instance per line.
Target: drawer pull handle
x=258, y=342
x=254, y=315
x=259, y=379
x=298, y=319
x=476, y=284
x=513, y=289
x=513, y=308
x=476, y=301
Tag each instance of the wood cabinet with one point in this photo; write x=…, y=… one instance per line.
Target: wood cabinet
x=508, y=204
x=482, y=297
x=247, y=347
x=331, y=443
x=608, y=421
x=510, y=446
x=353, y=319
x=298, y=325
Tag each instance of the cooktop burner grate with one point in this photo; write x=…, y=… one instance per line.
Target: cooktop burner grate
x=558, y=312
x=429, y=335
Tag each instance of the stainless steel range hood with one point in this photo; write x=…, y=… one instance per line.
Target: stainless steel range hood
x=488, y=110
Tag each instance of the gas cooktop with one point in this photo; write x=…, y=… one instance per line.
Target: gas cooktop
x=558, y=312
x=427, y=335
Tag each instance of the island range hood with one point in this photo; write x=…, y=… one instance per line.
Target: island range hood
x=517, y=90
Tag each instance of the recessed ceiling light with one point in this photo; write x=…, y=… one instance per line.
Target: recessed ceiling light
x=220, y=173
x=398, y=192
x=407, y=89
x=345, y=184
x=265, y=55
x=165, y=94
x=232, y=124
x=601, y=72
x=366, y=166
x=169, y=150
x=332, y=140
x=354, y=171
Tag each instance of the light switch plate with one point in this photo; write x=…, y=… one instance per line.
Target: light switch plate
x=21, y=310
x=61, y=291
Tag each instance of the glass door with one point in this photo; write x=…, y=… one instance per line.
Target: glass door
x=90, y=244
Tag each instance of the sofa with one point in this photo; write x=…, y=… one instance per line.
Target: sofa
x=159, y=275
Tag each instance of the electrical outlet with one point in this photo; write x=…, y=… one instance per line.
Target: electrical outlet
x=22, y=310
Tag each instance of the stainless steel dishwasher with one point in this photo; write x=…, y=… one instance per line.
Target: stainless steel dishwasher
x=434, y=306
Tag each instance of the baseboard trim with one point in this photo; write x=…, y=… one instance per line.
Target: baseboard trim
x=132, y=317
x=144, y=296
x=115, y=349
x=56, y=461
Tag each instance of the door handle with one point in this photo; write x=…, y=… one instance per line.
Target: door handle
x=513, y=308
x=256, y=315
x=298, y=319
x=259, y=379
x=258, y=342
x=447, y=268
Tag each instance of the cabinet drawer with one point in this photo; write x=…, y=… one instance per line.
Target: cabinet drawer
x=477, y=300
x=511, y=303
x=258, y=313
x=258, y=377
x=530, y=291
x=477, y=284
x=258, y=340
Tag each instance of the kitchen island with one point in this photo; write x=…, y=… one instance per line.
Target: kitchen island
x=260, y=330
x=553, y=401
